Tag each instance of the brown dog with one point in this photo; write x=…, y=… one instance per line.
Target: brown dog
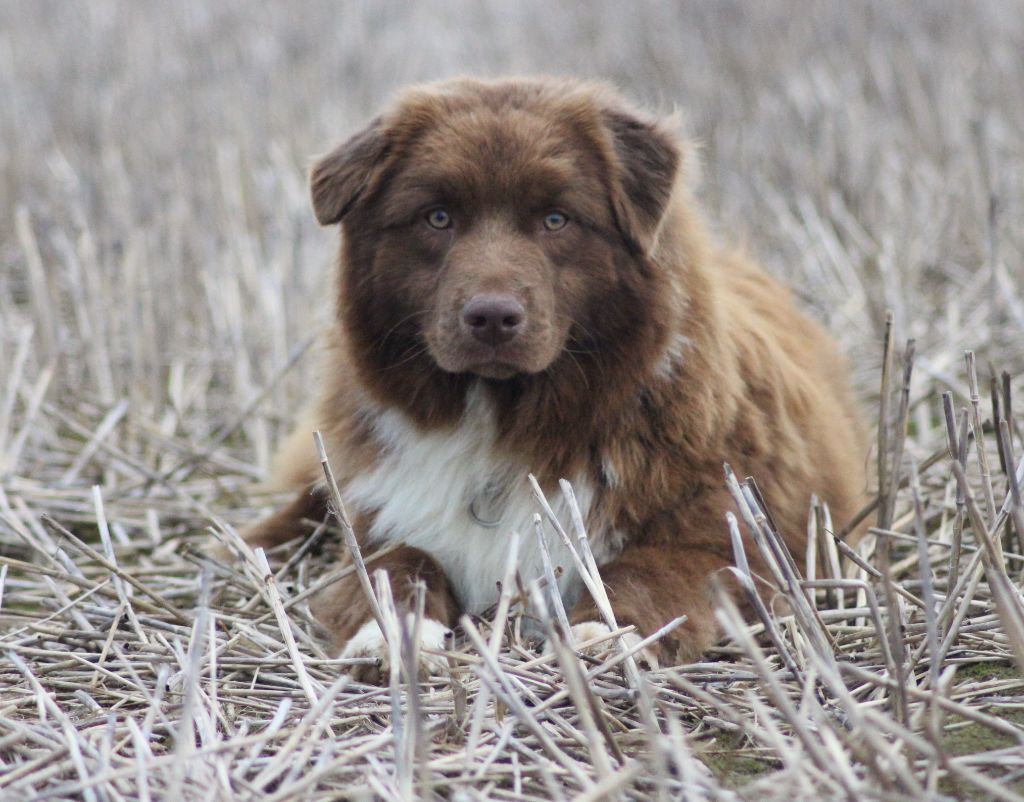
x=524, y=285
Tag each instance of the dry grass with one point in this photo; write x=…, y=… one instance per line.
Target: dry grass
x=159, y=268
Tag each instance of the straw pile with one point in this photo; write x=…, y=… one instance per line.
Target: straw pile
x=157, y=269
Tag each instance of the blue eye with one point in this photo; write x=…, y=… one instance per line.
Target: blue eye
x=439, y=218
x=555, y=221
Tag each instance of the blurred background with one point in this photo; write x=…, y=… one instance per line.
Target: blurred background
x=160, y=266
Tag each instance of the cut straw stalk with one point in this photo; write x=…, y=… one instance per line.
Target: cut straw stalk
x=351, y=543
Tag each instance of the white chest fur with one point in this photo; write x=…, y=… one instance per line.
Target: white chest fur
x=424, y=483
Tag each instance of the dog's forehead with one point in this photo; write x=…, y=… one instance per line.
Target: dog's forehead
x=504, y=147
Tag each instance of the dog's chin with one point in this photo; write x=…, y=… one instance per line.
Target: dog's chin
x=499, y=371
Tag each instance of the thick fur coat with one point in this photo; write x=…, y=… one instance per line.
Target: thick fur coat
x=525, y=285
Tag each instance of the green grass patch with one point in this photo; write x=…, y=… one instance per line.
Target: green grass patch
x=734, y=761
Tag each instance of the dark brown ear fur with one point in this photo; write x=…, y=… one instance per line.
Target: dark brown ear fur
x=648, y=161
x=338, y=179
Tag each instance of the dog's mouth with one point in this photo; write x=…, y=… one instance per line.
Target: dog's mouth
x=496, y=362
x=499, y=363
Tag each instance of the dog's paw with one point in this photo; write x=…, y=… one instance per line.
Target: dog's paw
x=369, y=642
x=587, y=631
x=219, y=552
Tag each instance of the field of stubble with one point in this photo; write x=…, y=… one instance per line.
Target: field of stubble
x=161, y=276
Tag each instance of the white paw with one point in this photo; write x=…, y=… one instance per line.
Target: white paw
x=587, y=631
x=592, y=630
x=369, y=642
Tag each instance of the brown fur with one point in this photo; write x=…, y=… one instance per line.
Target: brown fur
x=591, y=387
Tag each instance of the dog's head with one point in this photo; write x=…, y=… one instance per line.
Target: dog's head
x=496, y=228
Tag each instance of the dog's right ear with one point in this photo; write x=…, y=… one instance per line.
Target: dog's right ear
x=338, y=179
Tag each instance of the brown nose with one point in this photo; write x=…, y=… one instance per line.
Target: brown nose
x=493, y=319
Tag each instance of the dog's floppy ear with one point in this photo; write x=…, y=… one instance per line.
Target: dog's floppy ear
x=338, y=179
x=648, y=160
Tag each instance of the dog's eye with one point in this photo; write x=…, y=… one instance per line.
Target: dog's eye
x=439, y=218
x=555, y=221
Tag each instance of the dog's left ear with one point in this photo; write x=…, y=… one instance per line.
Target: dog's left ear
x=648, y=159
x=341, y=177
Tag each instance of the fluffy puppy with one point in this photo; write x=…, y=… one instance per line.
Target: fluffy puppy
x=524, y=284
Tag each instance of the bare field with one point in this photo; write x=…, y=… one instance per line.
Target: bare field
x=161, y=277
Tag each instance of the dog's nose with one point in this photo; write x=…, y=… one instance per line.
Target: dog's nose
x=493, y=319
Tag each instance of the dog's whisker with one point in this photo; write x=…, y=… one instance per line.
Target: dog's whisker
x=408, y=356
x=394, y=328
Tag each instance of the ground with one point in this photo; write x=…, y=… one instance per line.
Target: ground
x=161, y=280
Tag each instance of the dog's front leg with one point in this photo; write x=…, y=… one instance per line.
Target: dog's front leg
x=289, y=522
x=346, y=613
x=648, y=586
